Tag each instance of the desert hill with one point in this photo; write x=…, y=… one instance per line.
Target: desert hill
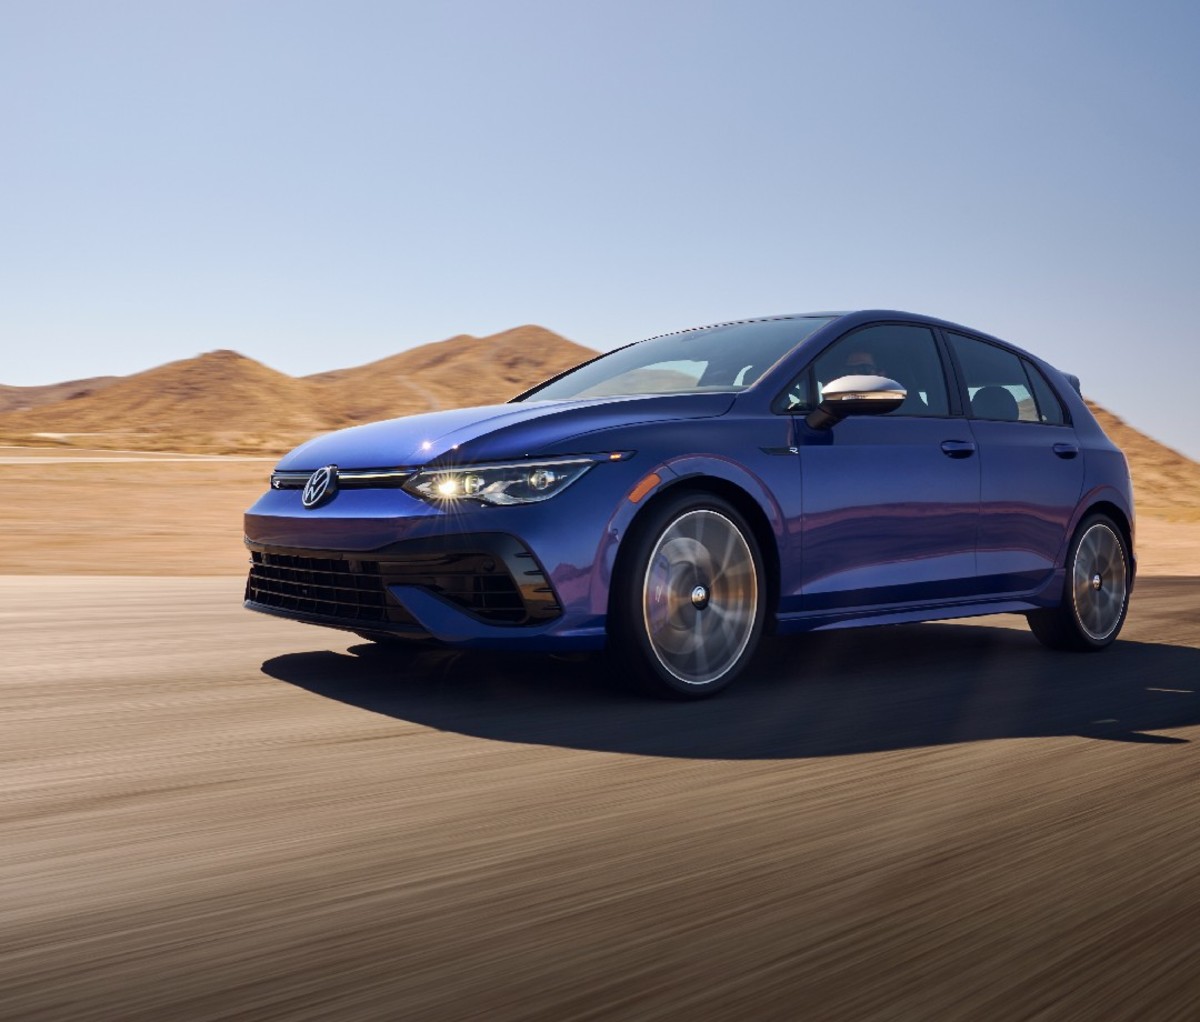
x=224, y=402
x=13, y=399
x=454, y=373
x=1165, y=482
x=217, y=400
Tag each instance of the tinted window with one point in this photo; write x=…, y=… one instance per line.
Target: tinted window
x=728, y=357
x=1049, y=407
x=906, y=354
x=996, y=382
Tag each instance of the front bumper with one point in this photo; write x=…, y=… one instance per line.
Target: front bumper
x=491, y=579
x=382, y=563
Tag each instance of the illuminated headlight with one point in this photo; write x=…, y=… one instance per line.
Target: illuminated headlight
x=519, y=483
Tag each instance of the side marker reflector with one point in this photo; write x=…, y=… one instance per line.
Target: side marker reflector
x=644, y=487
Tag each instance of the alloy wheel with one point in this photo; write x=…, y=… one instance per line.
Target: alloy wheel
x=700, y=596
x=1099, y=581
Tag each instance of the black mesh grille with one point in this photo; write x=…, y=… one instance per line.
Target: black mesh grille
x=314, y=585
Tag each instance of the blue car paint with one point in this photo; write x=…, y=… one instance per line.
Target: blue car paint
x=911, y=533
x=1030, y=494
x=869, y=522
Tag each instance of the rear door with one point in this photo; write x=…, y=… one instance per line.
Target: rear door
x=1030, y=461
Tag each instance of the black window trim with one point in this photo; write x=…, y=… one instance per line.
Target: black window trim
x=1031, y=367
x=953, y=374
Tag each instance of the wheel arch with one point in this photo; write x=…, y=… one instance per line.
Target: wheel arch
x=745, y=504
x=1115, y=512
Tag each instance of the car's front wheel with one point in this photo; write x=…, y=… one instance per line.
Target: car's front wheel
x=1095, y=593
x=688, y=600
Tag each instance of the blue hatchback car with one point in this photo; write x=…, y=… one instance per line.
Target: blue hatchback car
x=675, y=498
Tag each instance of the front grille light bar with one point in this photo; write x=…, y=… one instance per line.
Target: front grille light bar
x=347, y=478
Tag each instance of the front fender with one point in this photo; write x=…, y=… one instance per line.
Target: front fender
x=664, y=477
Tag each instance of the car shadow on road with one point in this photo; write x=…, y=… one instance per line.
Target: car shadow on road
x=824, y=694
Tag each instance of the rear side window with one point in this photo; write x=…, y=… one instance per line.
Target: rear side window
x=997, y=386
x=1049, y=407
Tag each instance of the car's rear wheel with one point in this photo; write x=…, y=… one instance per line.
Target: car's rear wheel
x=688, y=600
x=1095, y=596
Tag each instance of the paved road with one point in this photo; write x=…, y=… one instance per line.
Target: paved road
x=210, y=814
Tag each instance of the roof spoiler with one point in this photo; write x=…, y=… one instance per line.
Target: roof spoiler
x=1074, y=382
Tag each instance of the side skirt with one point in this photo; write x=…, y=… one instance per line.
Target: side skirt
x=1048, y=595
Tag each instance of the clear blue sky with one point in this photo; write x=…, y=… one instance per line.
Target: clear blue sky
x=321, y=184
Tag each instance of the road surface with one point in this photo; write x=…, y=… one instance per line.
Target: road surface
x=206, y=813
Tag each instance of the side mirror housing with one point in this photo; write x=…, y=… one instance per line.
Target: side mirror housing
x=856, y=395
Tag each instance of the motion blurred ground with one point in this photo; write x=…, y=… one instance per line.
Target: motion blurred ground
x=81, y=512
x=211, y=814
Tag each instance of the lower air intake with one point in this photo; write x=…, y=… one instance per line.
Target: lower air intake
x=501, y=585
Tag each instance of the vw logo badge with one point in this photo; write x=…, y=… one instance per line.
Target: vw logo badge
x=321, y=486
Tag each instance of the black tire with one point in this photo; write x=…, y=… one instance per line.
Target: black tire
x=1095, y=596
x=688, y=601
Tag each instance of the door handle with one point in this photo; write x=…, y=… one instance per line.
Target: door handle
x=1066, y=450
x=958, y=448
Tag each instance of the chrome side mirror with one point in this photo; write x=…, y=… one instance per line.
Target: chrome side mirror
x=856, y=395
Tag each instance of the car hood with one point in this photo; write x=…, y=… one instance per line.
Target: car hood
x=492, y=431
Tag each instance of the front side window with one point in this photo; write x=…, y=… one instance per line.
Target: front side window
x=730, y=357
x=904, y=353
x=997, y=386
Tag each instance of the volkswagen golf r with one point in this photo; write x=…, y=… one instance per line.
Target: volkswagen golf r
x=675, y=498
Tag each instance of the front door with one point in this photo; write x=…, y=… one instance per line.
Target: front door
x=890, y=502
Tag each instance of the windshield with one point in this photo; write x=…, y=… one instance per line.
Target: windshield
x=729, y=357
